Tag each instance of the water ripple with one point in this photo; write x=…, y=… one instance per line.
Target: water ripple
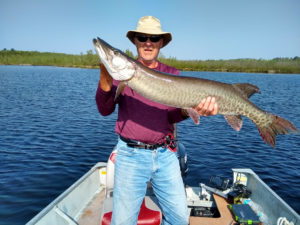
x=51, y=134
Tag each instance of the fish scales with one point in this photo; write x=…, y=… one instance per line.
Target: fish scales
x=185, y=92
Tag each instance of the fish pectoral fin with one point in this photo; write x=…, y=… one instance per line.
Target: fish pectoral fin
x=247, y=89
x=194, y=115
x=235, y=121
x=120, y=88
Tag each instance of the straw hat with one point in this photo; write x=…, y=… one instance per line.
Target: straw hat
x=149, y=25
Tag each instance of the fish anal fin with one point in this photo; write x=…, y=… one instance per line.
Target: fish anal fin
x=120, y=88
x=194, y=115
x=235, y=121
x=247, y=89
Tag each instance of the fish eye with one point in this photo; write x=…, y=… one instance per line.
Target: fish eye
x=116, y=53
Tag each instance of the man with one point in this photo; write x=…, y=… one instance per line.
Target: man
x=143, y=126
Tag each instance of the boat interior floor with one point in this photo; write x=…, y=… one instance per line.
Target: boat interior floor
x=92, y=213
x=226, y=217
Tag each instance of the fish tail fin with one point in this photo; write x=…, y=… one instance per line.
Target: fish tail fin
x=277, y=126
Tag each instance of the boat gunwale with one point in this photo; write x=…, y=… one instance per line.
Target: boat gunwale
x=293, y=215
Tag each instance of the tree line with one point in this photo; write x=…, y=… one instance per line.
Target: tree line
x=91, y=60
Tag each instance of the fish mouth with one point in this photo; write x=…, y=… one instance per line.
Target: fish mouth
x=104, y=52
x=117, y=63
x=100, y=48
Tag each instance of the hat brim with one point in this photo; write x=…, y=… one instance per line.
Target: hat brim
x=167, y=37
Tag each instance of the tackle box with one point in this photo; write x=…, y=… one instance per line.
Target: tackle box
x=243, y=214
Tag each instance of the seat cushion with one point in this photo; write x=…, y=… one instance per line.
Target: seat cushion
x=149, y=214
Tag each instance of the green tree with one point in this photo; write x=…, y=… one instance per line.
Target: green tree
x=129, y=53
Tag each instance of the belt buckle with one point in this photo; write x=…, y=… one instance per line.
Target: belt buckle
x=150, y=147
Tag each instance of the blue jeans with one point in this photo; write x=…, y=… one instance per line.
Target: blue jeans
x=133, y=169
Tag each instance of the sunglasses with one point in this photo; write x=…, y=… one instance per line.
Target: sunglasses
x=144, y=38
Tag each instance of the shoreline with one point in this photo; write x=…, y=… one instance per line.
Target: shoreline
x=91, y=61
x=271, y=71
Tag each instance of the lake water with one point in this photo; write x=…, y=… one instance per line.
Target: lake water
x=51, y=134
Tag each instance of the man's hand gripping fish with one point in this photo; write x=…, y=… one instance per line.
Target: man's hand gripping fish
x=187, y=92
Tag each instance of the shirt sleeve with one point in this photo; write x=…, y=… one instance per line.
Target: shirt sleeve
x=105, y=101
x=175, y=116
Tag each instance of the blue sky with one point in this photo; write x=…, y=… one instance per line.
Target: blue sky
x=201, y=29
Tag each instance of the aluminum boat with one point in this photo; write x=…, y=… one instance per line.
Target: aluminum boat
x=246, y=200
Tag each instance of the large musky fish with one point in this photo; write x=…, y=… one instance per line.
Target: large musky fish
x=187, y=92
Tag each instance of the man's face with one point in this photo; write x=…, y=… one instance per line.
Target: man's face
x=148, y=50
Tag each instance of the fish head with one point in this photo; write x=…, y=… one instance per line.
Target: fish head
x=118, y=64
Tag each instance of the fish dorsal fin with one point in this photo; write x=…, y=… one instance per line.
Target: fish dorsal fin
x=235, y=121
x=246, y=89
x=120, y=88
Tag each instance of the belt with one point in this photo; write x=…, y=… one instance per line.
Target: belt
x=137, y=144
